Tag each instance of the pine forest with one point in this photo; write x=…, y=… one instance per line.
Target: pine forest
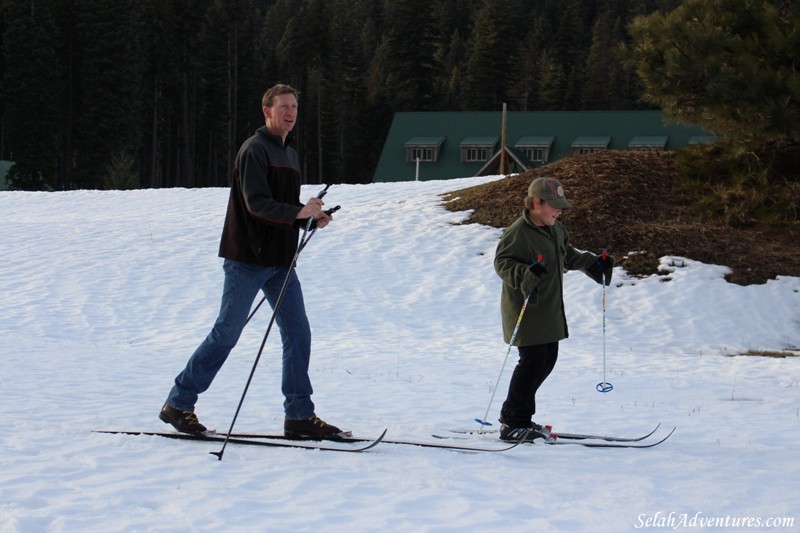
x=127, y=94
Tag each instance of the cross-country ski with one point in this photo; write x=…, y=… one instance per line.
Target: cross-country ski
x=273, y=441
x=557, y=434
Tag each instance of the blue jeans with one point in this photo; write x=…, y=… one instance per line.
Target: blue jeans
x=242, y=283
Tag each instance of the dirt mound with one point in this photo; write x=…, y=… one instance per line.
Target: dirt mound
x=627, y=202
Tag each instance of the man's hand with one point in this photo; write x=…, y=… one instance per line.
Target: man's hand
x=323, y=220
x=313, y=209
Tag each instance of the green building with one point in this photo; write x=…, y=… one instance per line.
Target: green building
x=443, y=145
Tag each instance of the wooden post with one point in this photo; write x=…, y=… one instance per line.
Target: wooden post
x=503, y=143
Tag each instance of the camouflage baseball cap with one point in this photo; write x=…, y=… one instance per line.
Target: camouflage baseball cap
x=549, y=190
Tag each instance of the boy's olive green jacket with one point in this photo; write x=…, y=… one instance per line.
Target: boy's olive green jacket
x=521, y=245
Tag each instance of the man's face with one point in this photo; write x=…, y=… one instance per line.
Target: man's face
x=282, y=115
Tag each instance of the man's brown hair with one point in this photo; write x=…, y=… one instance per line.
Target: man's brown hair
x=272, y=92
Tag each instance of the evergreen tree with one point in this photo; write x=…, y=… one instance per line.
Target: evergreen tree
x=492, y=64
x=158, y=56
x=230, y=85
x=276, y=21
x=404, y=69
x=553, y=81
x=304, y=52
x=3, y=155
x=108, y=107
x=605, y=74
x=173, y=66
x=534, y=62
x=454, y=26
x=353, y=129
x=727, y=65
x=32, y=87
x=570, y=49
x=730, y=67
x=96, y=91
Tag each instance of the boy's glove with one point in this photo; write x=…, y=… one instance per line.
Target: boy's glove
x=602, y=267
x=538, y=268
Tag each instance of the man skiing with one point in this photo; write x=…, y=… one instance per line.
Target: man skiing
x=259, y=241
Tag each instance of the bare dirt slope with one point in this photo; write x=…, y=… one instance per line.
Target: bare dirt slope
x=627, y=202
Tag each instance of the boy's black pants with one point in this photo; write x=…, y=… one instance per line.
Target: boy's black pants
x=535, y=364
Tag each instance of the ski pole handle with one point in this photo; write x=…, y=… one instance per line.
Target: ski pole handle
x=324, y=191
x=320, y=195
x=312, y=223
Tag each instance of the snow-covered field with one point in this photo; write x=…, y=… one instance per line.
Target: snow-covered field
x=106, y=294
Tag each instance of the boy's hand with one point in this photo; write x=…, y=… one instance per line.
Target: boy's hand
x=538, y=268
x=603, y=267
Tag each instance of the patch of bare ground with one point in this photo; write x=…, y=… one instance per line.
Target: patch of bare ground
x=628, y=202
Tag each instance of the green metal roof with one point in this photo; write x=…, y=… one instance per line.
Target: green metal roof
x=563, y=127
x=535, y=141
x=599, y=142
x=643, y=141
x=425, y=141
x=479, y=141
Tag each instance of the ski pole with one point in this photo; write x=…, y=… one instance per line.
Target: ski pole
x=253, y=312
x=604, y=386
x=483, y=422
x=303, y=241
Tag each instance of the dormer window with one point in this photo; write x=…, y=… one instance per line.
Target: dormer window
x=478, y=149
x=536, y=149
x=589, y=145
x=423, y=149
x=646, y=143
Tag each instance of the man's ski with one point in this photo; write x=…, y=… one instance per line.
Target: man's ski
x=422, y=444
x=559, y=435
x=279, y=441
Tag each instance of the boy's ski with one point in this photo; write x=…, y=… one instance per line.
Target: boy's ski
x=608, y=438
x=610, y=444
x=558, y=435
x=578, y=439
x=282, y=442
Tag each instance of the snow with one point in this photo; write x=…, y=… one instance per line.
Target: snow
x=105, y=294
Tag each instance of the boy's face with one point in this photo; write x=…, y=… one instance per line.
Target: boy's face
x=543, y=213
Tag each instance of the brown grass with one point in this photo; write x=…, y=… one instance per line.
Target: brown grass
x=628, y=203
